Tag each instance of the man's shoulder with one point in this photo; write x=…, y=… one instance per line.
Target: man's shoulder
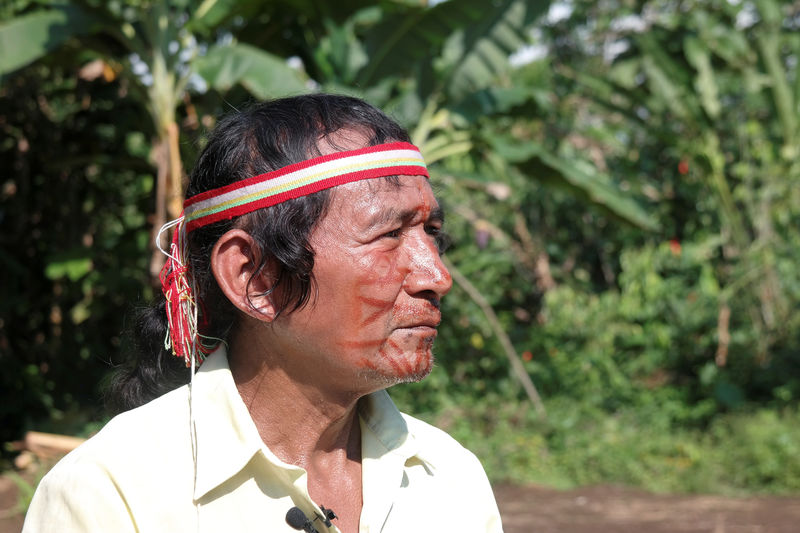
x=132, y=435
x=429, y=433
x=131, y=462
x=456, y=474
x=167, y=413
x=438, y=447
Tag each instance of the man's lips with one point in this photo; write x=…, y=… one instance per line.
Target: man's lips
x=430, y=320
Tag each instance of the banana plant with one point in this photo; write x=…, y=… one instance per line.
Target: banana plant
x=717, y=84
x=160, y=46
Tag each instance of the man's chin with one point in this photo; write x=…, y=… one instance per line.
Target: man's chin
x=416, y=376
x=401, y=373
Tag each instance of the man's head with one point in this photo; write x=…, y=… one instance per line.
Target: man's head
x=287, y=244
x=285, y=248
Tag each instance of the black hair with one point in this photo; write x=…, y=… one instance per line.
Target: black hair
x=263, y=137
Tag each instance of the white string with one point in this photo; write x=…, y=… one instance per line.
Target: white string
x=168, y=226
x=193, y=430
x=172, y=254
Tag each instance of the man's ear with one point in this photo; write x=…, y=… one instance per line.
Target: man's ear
x=234, y=260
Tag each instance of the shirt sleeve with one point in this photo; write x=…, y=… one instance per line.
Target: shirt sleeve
x=484, y=497
x=455, y=482
x=78, y=498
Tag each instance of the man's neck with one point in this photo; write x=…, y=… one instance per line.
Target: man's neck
x=305, y=426
x=301, y=422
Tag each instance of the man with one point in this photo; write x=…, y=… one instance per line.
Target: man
x=305, y=276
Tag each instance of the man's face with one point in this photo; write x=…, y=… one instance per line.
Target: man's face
x=372, y=319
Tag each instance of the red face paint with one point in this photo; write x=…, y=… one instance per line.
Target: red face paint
x=378, y=280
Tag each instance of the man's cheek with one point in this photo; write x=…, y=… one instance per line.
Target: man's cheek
x=373, y=309
x=380, y=269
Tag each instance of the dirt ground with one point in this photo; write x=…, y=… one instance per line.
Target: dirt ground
x=600, y=509
x=10, y=517
x=606, y=509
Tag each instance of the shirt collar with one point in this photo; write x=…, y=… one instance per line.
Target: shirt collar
x=387, y=427
x=226, y=438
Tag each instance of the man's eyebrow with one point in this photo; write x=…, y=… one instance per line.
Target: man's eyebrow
x=391, y=215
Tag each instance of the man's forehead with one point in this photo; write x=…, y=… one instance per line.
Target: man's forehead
x=394, y=195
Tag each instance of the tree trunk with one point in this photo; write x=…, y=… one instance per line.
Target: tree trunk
x=169, y=190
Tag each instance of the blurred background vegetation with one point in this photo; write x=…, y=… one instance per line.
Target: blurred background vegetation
x=621, y=179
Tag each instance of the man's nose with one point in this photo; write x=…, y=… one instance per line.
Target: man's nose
x=426, y=269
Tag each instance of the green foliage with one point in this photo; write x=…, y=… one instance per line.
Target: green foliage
x=260, y=73
x=743, y=453
x=578, y=177
x=627, y=205
x=75, y=241
x=29, y=37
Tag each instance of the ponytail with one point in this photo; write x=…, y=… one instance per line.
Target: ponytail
x=150, y=370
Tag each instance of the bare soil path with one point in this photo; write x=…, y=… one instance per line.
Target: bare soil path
x=602, y=509
x=606, y=509
x=10, y=517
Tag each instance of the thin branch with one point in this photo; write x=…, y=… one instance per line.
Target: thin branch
x=505, y=342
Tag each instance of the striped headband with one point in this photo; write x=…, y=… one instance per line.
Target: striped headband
x=301, y=179
x=184, y=312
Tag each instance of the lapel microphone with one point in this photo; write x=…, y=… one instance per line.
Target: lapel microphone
x=298, y=520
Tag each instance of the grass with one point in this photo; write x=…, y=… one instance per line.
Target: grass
x=743, y=453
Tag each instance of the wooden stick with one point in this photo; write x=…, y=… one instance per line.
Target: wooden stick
x=50, y=444
x=508, y=347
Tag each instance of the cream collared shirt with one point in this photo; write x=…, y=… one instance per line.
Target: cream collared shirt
x=138, y=473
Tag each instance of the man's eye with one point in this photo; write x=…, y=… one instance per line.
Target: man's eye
x=433, y=230
x=441, y=238
x=394, y=234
